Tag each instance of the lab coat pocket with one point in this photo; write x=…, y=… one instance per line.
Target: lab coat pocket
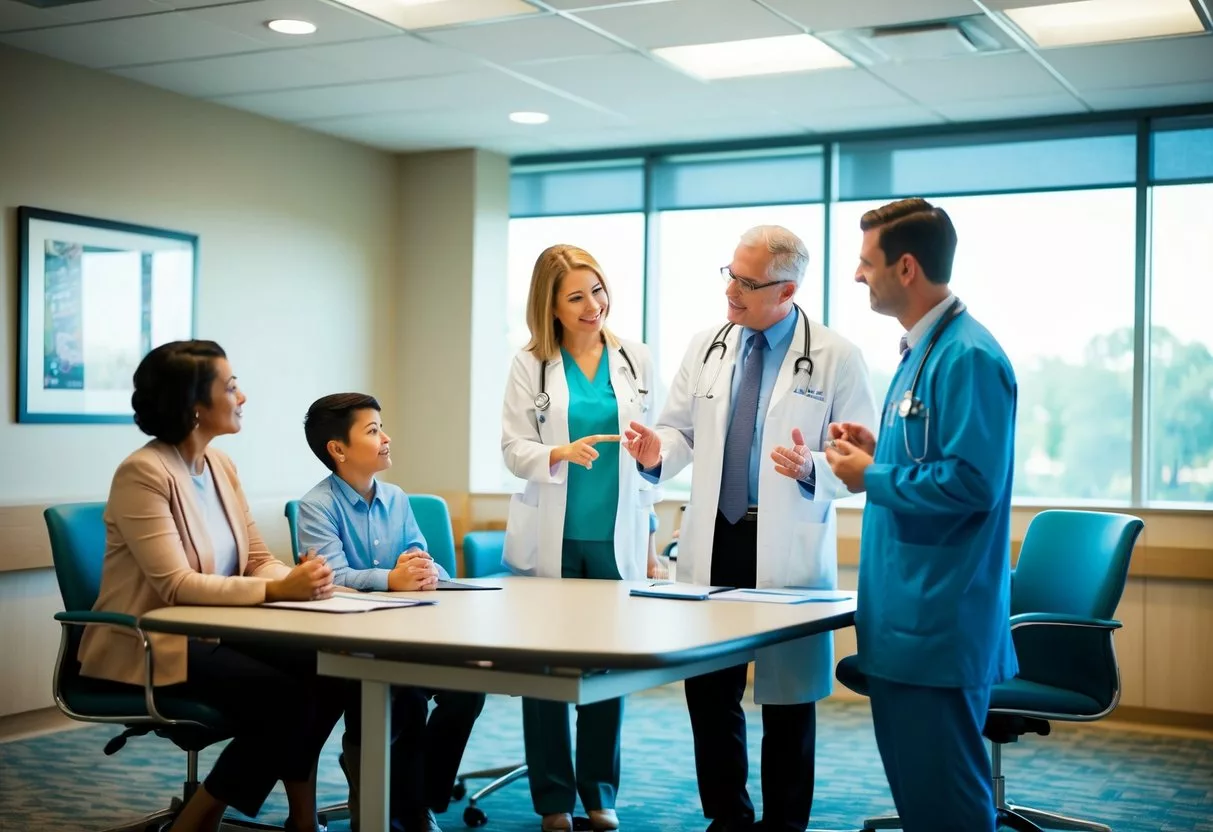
x=812, y=561
x=521, y=551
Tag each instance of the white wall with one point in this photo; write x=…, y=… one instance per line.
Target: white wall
x=298, y=247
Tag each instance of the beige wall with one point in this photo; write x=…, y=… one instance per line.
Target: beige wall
x=298, y=236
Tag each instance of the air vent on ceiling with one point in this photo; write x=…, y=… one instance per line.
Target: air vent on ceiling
x=931, y=40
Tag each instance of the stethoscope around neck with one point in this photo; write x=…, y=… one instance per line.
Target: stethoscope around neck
x=543, y=401
x=912, y=407
x=802, y=368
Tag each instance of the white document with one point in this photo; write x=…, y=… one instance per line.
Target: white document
x=348, y=602
x=782, y=596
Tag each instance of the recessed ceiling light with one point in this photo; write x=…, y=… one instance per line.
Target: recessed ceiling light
x=292, y=27
x=524, y=117
x=1103, y=21
x=759, y=56
x=426, y=14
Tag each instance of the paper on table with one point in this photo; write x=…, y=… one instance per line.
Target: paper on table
x=682, y=592
x=348, y=602
x=782, y=596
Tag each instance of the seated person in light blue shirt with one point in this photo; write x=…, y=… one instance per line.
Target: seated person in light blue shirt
x=366, y=531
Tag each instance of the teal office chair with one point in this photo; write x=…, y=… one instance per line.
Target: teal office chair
x=77, y=537
x=482, y=558
x=1064, y=591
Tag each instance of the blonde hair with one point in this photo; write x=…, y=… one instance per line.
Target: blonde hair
x=550, y=268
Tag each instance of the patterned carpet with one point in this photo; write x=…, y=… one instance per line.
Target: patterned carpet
x=1135, y=782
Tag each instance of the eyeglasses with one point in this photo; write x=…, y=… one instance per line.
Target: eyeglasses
x=745, y=283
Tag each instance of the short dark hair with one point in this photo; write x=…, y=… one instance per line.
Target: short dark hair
x=915, y=227
x=170, y=382
x=331, y=417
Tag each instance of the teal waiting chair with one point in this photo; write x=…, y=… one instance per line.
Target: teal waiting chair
x=77, y=537
x=482, y=558
x=1065, y=589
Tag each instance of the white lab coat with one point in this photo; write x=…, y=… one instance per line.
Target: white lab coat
x=534, y=534
x=797, y=536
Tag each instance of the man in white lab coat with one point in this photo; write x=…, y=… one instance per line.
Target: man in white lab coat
x=750, y=407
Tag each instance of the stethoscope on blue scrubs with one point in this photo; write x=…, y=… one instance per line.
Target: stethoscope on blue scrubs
x=802, y=369
x=910, y=406
x=543, y=401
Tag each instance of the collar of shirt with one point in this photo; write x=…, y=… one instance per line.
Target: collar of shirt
x=353, y=497
x=920, y=329
x=778, y=335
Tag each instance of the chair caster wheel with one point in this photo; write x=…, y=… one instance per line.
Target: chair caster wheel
x=474, y=817
x=459, y=791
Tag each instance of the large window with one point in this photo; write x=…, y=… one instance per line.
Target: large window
x=1087, y=264
x=1180, y=452
x=1051, y=276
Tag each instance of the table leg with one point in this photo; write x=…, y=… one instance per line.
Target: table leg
x=376, y=762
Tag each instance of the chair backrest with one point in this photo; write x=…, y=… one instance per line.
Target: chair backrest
x=292, y=520
x=77, y=533
x=433, y=517
x=1074, y=563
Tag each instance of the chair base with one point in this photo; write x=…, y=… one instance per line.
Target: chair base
x=473, y=815
x=1017, y=818
x=332, y=812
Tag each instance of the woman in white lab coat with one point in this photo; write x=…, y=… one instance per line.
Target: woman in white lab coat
x=585, y=510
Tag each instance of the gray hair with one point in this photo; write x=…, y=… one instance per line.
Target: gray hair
x=790, y=256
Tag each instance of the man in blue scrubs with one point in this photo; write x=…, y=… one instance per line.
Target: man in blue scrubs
x=934, y=576
x=366, y=531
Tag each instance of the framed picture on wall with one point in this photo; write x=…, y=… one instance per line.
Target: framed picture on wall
x=96, y=296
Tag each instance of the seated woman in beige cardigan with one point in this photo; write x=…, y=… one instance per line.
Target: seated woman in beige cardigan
x=178, y=531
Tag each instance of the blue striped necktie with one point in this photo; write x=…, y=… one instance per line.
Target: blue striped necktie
x=735, y=477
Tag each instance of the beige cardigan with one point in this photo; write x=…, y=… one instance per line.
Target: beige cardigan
x=158, y=553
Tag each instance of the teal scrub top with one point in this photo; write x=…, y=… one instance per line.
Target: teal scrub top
x=593, y=493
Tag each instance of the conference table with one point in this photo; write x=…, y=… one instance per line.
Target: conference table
x=568, y=640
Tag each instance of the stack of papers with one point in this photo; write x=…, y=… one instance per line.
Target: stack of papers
x=452, y=585
x=782, y=596
x=682, y=592
x=349, y=602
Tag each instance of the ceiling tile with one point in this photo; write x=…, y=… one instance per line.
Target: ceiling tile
x=633, y=85
x=164, y=37
x=875, y=118
x=1009, y=107
x=1162, y=95
x=381, y=59
x=815, y=90
x=15, y=16
x=829, y=15
x=684, y=22
x=255, y=72
x=687, y=132
x=85, y=12
x=525, y=39
x=1139, y=64
x=971, y=78
x=334, y=22
x=566, y=5
x=486, y=88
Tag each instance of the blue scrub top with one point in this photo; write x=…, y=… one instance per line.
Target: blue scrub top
x=593, y=493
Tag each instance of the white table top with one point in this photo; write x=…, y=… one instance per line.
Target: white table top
x=545, y=622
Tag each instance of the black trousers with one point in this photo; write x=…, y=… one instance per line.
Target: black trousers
x=426, y=747
x=280, y=712
x=789, y=732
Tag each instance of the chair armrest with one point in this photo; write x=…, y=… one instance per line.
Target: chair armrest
x=1029, y=619
x=116, y=618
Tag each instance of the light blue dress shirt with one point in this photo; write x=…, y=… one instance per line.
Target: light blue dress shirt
x=361, y=541
x=779, y=336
